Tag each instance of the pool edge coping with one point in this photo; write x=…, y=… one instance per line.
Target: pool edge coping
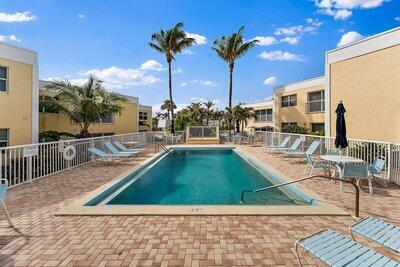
x=79, y=208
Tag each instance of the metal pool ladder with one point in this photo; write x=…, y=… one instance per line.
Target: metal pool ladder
x=166, y=149
x=357, y=190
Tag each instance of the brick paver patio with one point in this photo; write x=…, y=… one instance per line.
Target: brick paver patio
x=42, y=239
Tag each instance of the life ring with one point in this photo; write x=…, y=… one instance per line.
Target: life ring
x=69, y=153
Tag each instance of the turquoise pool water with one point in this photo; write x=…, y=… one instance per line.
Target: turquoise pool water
x=201, y=177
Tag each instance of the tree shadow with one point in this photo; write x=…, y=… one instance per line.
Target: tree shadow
x=5, y=259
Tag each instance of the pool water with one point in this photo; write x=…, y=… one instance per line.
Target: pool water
x=200, y=177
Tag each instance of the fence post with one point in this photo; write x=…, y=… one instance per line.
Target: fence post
x=389, y=162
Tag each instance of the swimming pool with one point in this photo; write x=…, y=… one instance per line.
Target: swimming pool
x=205, y=176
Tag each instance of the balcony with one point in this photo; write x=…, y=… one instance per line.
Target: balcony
x=262, y=118
x=315, y=106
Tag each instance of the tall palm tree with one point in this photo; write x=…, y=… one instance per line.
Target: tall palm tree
x=230, y=48
x=170, y=43
x=241, y=116
x=196, y=113
x=84, y=104
x=208, y=112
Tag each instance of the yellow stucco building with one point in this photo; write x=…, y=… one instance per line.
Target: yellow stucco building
x=301, y=103
x=365, y=75
x=263, y=120
x=19, y=86
x=126, y=122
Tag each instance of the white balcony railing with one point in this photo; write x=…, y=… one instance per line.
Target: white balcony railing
x=263, y=118
x=315, y=106
x=363, y=149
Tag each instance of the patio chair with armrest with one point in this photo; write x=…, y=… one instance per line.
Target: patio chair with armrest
x=3, y=189
x=358, y=171
x=312, y=165
x=376, y=168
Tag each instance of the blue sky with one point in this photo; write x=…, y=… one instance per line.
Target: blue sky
x=110, y=40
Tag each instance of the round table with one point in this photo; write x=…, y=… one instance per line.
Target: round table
x=340, y=159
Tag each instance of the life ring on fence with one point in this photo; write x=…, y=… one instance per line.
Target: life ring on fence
x=69, y=153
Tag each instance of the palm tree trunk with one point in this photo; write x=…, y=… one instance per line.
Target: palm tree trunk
x=170, y=96
x=230, y=89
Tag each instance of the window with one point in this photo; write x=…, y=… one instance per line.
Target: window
x=263, y=115
x=289, y=101
x=286, y=125
x=107, y=118
x=3, y=137
x=3, y=79
x=317, y=127
x=315, y=102
x=143, y=116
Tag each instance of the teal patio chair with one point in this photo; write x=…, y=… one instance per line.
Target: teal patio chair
x=335, y=249
x=281, y=145
x=118, y=153
x=379, y=231
x=376, y=168
x=311, y=165
x=125, y=149
x=358, y=171
x=299, y=153
x=3, y=189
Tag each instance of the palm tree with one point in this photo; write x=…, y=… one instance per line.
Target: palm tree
x=241, y=115
x=170, y=43
x=84, y=104
x=230, y=48
x=167, y=106
x=208, y=112
x=196, y=113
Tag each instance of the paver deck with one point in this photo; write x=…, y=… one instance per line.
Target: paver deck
x=42, y=239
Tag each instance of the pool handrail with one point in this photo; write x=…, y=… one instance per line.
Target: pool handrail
x=357, y=190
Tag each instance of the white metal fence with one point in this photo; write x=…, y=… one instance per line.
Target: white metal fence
x=363, y=149
x=19, y=164
x=202, y=132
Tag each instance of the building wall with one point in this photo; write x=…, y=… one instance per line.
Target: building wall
x=369, y=86
x=149, y=121
x=126, y=122
x=252, y=123
x=16, y=104
x=297, y=113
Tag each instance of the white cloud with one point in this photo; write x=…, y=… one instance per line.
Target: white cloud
x=81, y=16
x=178, y=70
x=17, y=17
x=12, y=37
x=152, y=65
x=265, y=40
x=208, y=83
x=200, y=39
x=342, y=9
x=280, y=56
x=183, y=84
x=270, y=80
x=397, y=18
x=292, y=34
x=188, y=52
x=290, y=40
x=202, y=82
x=117, y=78
x=349, y=37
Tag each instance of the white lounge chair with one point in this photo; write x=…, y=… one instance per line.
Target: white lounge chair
x=281, y=145
x=115, y=151
x=293, y=147
x=97, y=154
x=300, y=153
